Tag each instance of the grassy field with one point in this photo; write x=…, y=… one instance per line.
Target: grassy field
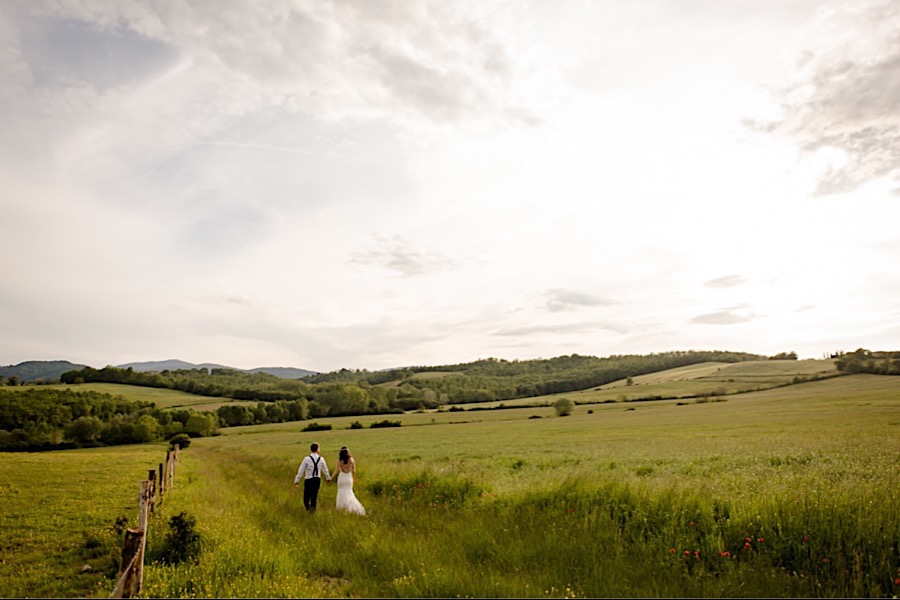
x=705, y=379
x=163, y=398
x=787, y=492
x=58, y=515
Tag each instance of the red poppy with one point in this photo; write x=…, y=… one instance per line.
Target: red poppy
x=761, y=540
x=696, y=554
x=671, y=550
x=805, y=538
x=687, y=552
x=825, y=560
x=746, y=544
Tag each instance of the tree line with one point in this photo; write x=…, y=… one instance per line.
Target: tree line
x=361, y=392
x=46, y=419
x=867, y=361
x=492, y=379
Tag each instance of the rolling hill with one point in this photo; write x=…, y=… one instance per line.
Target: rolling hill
x=38, y=370
x=175, y=364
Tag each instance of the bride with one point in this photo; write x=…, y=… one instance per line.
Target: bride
x=346, y=500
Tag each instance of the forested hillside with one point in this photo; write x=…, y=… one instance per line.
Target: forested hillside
x=496, y=379
x=45, y=419
x=366, y=392
x=40, y=371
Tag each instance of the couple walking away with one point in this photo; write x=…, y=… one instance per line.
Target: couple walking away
x=312, y=468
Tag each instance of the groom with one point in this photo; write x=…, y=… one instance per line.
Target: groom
x=311, y=469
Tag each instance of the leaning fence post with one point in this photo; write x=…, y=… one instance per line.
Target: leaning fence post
x=134, y=538
x=144, y=523
x=151, y=477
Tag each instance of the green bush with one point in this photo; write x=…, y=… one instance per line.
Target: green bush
x=182, y=543
x=563, y=407
x=317, y=427
x=182, y=439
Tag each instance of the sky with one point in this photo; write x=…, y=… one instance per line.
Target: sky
x=374, y=184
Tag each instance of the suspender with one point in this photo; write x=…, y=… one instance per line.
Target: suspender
x=315, y=462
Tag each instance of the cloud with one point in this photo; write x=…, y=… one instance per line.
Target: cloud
x=725, y=282
x=560, y=329
x=66, y=52
x=411, y=60
x=722, y=317
x=846, y=100
x=561, y=299
x=396, y=254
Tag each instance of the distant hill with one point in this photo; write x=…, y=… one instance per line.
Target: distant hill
x=174, y=365
x=35, y=370
x=169, y=365
x=283, y=372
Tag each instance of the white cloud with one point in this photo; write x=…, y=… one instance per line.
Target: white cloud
x=373, y=184
x=845, y=101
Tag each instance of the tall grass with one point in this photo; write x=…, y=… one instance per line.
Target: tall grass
x=783, y=493
x=758, y=498
x=62, y=515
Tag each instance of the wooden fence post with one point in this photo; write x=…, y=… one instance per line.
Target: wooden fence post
x=131, y=570
x=151, y=477
x=134, y=539
x=144, y=523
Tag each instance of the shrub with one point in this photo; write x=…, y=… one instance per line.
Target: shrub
x=563, y=407
x=384, y=423
x=317, y=427
x=182, y=543
x=182, y=439
x=356, y=425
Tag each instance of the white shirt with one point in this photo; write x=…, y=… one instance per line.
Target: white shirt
x=307, y=466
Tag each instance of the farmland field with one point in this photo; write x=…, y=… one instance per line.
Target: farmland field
x=686, y=382
x=162, y=397
x=789, y=491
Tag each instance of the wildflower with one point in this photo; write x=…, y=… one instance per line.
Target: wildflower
x=726, y=554
x=687, y=552
x=748, y=540
x=761, y=540
x=671, y=550
x=897, y=581
x=805, y=538
x=825, y=560
x=691, y=523
x=746, y=544
x=696, y=554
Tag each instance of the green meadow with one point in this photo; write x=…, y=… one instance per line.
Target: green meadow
x=784, y=492
x=704, y=379
x=162, y=397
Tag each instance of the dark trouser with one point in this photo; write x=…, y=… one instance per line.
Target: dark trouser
x=311, y=492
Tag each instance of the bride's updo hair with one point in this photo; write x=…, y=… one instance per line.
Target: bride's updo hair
x=344, y=455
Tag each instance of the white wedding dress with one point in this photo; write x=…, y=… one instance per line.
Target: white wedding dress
x=346, y=499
